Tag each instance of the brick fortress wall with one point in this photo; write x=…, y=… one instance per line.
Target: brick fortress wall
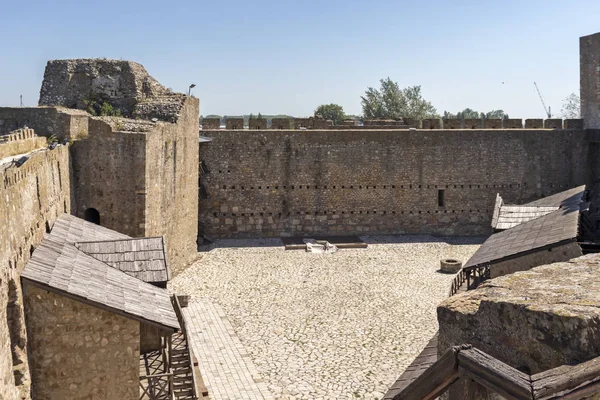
x=31, y=198
x=270, y=183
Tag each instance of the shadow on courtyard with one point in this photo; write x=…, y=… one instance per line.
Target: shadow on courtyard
x=369, y=240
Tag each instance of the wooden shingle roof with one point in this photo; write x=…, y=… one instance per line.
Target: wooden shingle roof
x=555, y=227
x=511, y=216
x=143, y=258
x=561, y=199
x=57, y=264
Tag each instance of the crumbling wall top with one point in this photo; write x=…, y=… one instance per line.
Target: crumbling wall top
x=538, y=319
x=126, y=86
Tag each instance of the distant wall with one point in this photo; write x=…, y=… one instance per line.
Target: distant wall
x=279, y=183
x=79, y=351
x=32, y=196
x=374, y=124
x=46, y=121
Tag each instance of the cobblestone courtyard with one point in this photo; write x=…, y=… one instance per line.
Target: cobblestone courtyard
x=309, y=326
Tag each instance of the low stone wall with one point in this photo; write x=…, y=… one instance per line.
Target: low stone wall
x=211, y=123
x=19, y=142
x=255, y=123
x=234, y=123
x=46, y=121
x=531, y=260
x=281, y=123
x=533, y=320
x=78, y=351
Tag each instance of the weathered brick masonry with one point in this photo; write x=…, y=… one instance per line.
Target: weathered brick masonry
x=31, y=198
x=67, y=336
x=279, y=182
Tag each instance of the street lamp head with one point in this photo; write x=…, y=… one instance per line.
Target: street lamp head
x=193, y=85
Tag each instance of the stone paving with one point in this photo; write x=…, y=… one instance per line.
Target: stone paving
x=226, y=367
x=325, y=326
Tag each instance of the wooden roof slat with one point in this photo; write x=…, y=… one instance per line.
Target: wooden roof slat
x=58, y=264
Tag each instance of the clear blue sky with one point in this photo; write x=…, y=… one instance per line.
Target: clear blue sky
x=290, y=56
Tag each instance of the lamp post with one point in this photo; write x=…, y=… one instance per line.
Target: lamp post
x=193, y=85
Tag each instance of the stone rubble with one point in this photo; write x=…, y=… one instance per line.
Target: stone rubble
x=328, y=326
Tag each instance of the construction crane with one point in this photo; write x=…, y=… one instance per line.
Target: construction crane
x=546, y=109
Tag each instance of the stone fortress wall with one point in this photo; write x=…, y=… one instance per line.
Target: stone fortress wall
x=437, y=123
x=140, y=171
x=19, y=142
x=70, y=350
x=122, y=164
x=32, y=196
x=271, y=183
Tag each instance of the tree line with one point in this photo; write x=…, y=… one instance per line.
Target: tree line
x=391, y=102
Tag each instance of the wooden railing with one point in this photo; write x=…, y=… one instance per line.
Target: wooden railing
x=157, y=386
x=465, y=362
x=166, y=348
x=184, y=330
x=473, y=276
x=457, y=282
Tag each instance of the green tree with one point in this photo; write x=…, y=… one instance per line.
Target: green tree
x=332, y=111
x=391, y=102
x=571, y=107
x=496, y=114
x=469, y=113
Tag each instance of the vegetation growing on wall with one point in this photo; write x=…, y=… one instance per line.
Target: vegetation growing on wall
x=102, y=109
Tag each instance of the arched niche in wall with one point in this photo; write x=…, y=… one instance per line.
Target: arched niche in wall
x=92, y=215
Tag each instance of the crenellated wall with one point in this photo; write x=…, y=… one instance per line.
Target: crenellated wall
x=435, y=123
x=31, y=198
x=19, y=142
x=270, y=183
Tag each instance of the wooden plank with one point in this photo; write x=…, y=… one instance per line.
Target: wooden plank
x=495, y=375
x=424, y=360
x=434, y=381
x=584, y=392
x=566, y=379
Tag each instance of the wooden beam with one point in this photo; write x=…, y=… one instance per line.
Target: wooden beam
x=566, y=379
x=434, y=381
x=495, y=375
x=96, y=304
